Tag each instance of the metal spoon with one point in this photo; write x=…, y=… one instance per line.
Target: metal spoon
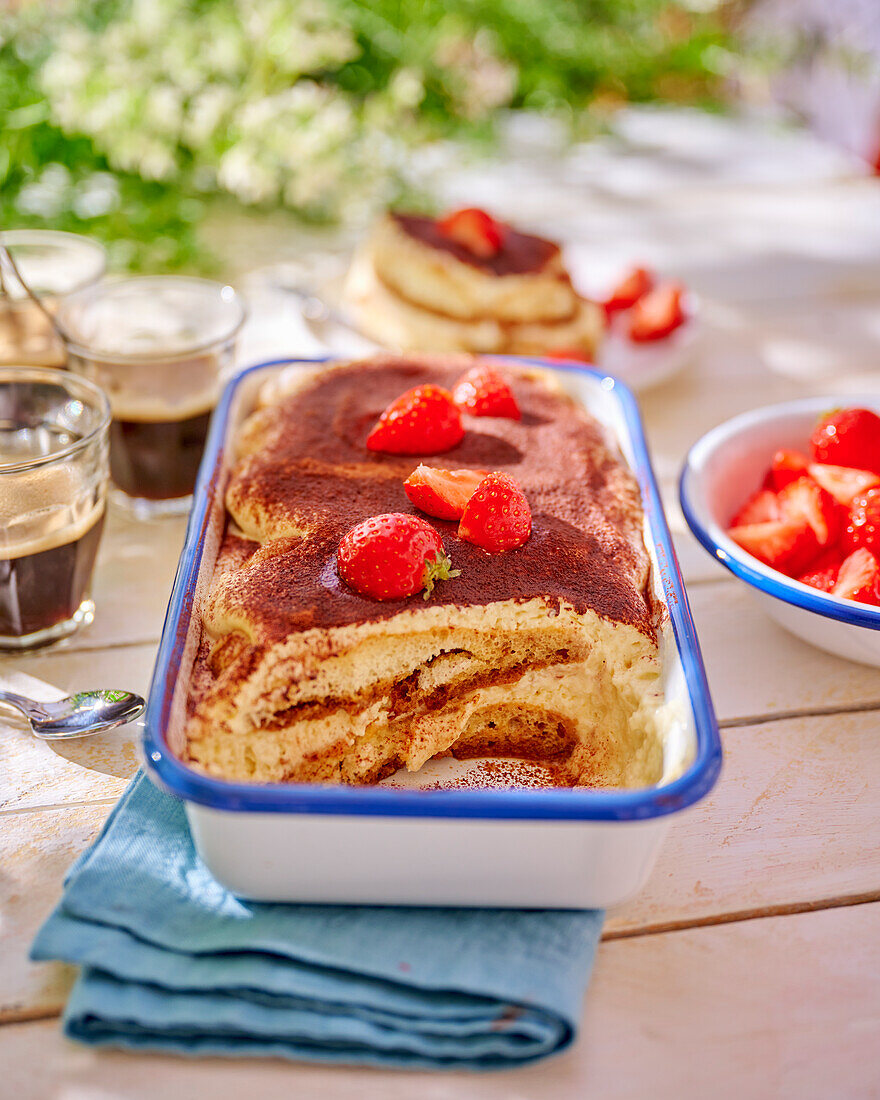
x=78, y=715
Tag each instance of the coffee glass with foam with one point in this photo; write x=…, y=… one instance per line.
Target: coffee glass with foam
x=54, y=472
x=53, y=265
x=160, y=347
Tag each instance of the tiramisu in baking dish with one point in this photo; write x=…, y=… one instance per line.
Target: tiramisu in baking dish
x=467, y=282
x=424, y=556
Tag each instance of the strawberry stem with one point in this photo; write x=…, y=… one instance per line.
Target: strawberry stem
x=440, y=569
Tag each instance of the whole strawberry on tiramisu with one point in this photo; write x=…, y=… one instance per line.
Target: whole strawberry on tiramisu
x=467, y=282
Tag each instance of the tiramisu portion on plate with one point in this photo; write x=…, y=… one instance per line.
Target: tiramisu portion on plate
x=373, y=607
x=467, y=282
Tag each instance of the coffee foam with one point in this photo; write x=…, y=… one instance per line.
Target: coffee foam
x=44, y=508
x=175, y=389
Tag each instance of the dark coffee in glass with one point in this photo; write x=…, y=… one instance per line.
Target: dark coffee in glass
x=53, y=487
x=160, y=348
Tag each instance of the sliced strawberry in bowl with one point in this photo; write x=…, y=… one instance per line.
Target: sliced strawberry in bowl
x=787, y=466
x=634, y=285
x=392, y=556
x=863, y=523
x=804, y=500
x=859, y=578
x=824, y=571
x=762, y=507
x=497, y=517
x=442, y=493
x=423, y=421
x=848, y=437
x=657, y=314
x=843, y=482
x=474, y=230
x=787, y=545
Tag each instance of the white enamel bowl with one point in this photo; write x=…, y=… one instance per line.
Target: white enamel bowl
x=720, y=472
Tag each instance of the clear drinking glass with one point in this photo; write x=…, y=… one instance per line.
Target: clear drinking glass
x=53, y=265
x=160, y=347
x=54, y=471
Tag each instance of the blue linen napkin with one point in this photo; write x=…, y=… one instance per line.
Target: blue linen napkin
x=172, y=961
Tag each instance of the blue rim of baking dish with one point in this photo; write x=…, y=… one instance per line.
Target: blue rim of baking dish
x=713, y=539
x=560, y=804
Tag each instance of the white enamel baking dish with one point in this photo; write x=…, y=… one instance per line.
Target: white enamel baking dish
x=720, y=471
x=404, y=845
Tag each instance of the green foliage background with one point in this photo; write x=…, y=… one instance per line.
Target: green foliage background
x=574, y=58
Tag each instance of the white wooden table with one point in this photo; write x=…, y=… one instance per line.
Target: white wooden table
x=750, y=966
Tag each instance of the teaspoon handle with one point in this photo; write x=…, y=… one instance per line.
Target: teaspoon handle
x=30, y=708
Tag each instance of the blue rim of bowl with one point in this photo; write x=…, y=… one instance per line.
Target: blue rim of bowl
x=772, y=583
x=577, y=804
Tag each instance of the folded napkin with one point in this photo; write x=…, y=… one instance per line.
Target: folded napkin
x=172, y=961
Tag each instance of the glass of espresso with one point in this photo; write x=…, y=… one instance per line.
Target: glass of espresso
x=54, y=469
x=53, y=265
x=160, y=348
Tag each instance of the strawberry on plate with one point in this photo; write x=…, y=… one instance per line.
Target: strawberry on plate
x=578, y=355
x=863, y=523
x=391, y=556
x=442, y=493
x=657, y=314
x=848, y=437
x=787, y=545
x=497, y=517
x=482, y=391
x=859, y=578
x=786, y=466
x=842, y=482
x=804, y=500
x=762, y=507
x=631, y=287
x=474, y=230
x=422, y=421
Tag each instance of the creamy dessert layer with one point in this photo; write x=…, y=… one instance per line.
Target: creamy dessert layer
x=413, y=288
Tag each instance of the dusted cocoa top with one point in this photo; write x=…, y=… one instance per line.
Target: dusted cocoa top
x=520, y=253
x=306, y=477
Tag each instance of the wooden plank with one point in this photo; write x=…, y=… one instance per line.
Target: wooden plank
x=36, y=850
x=792, y=824
x=784, y=1007
x=41, y=773
x=756, y=668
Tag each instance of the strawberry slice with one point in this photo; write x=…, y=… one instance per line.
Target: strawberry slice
x=482, y=391
x=497, y=517
x=848, y=437
x=822, y=579
x=422, y=421
x=787, y=466
x=762, y=507
x=657, y=314
x=392, y=556
x=474, y=230
x=843, y=482
x=823, y=572
x=863, y=523
x=442, y=493
x=808, y=502
x=859, y=578
x=578, y=355
x=787, y=545
x=631, y=287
